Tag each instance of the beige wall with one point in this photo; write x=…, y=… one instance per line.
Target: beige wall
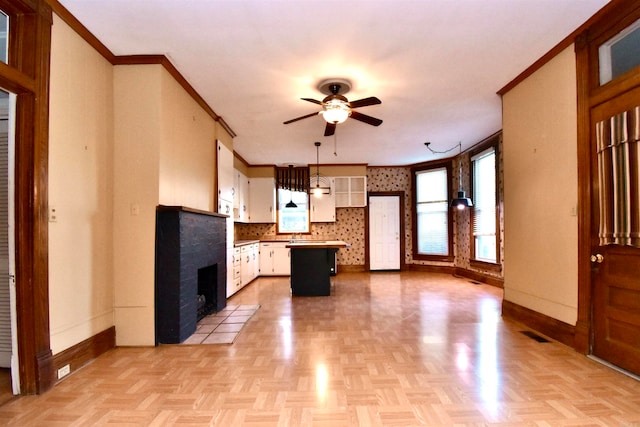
x=136, y=193
x=80, y=190
x=164, y=154
x=540, y=176
x=187, y=150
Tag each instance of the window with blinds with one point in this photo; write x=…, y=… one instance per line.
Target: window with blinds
x=432, y=211
x=484, y=206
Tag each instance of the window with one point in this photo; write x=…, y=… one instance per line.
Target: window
x=293, y=219
x=4, y=37
x=432, y=225
x=483, y=166
x=620, y=54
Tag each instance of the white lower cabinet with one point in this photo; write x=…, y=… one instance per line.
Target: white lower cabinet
x=274, y=259
x=246, y=263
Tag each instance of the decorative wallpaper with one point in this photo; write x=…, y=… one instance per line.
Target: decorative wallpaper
x=350, y=222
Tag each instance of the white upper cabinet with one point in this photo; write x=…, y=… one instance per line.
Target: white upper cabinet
x=351, y=191
x=262, y=200
x=323, y=208
x=225, y=179
x=241, y=197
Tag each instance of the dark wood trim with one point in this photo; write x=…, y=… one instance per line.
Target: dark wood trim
x=480, y=277
x=432, y=268
x=401, y=199
x=582, y=341
x=81, y=30
x=93, y=41
x=565, y=43
x=616, y=16
x=553, y=328
x=86, y=351
x=446, y=163
x=27, y=75
x=352, y=269
x=14, y=80
x=493, y=142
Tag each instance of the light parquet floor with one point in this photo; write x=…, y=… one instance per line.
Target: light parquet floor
x=386, y=349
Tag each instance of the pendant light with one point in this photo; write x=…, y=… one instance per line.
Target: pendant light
x=462, y=201
x=290, y=204
x=317, y=191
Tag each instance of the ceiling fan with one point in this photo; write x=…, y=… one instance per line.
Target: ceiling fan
x=336, y=108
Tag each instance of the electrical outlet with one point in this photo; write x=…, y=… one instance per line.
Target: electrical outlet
x=64, y=371
x=53, y=214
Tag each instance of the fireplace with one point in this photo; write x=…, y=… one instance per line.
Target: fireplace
x=207, y=286
x=191, y=270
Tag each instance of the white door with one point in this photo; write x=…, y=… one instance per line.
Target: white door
x=384, y=232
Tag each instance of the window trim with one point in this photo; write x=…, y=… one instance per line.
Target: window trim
x=436, y=164
x=492, y=143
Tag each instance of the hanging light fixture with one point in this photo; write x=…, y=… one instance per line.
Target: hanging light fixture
x=462, y=201
x=336, y=110
x=317, y=189
x=290, y=204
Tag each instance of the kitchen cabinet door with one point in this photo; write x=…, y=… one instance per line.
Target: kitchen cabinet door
x=262, y=200
x=266, y=259
x=225, y=178
x=281, y=260
x=241, y=198
x=351, y=191
x=323, y=208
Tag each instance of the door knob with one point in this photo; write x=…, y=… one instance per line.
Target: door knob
x=598, y=258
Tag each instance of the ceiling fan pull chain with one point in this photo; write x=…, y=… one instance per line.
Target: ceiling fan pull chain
x=335, y=145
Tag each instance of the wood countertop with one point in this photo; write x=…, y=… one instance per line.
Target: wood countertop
x=317, y=244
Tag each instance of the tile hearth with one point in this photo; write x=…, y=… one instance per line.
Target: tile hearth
x=223, y=326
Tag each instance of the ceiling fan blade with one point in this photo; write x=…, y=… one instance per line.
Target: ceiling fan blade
x=366, y=119
x=364, y=102
x=312, y=100
x=330, y=129
x=300, y=118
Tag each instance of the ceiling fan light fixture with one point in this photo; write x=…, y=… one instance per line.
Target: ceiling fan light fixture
x=335, y=111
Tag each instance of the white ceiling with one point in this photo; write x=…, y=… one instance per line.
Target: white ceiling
x=435, y=64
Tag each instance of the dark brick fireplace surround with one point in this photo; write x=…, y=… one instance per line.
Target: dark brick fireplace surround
x=191, y=270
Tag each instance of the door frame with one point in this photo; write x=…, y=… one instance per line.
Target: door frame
x=27, y=76
x=401, y=204
x=589, y=94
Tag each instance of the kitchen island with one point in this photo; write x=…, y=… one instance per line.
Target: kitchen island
x=311, y=265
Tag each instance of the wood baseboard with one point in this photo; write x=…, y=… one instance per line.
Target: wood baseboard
x=480, y=277
x=351, y=269
x=84, y=352
x=553, y=328
x=446, y=269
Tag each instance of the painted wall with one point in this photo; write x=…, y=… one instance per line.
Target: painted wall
x=138, y=108
x=540, y=176
x=80, y=190
x=187, y=150
x=164, y=154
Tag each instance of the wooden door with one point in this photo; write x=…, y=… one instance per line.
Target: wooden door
x=615, y=232
x=384, y=232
